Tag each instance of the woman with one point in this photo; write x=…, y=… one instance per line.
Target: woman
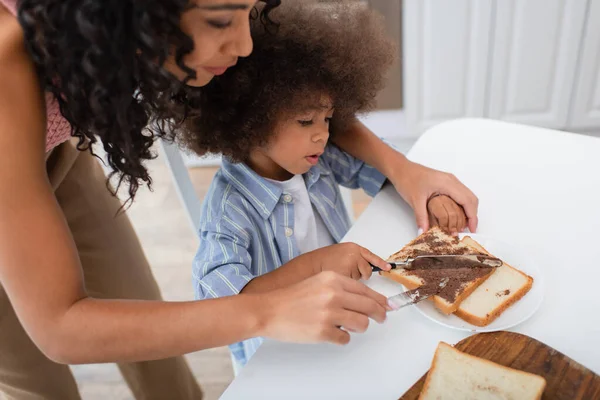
x=75, y=286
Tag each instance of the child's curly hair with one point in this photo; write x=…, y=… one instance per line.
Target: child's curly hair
x=338, y=49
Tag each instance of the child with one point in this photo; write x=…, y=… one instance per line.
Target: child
x=276, y=195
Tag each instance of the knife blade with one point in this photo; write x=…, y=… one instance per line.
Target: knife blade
x=446, y=261
x=414, y=296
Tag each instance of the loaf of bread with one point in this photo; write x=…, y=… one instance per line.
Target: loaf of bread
x=462, y=281
x=456, y=375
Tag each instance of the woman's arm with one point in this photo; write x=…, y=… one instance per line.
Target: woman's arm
x=415, y=183
x=40, y=270
x=360, y=142
x=39, y=264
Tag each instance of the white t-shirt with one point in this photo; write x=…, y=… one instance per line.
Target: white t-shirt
x=309, y=229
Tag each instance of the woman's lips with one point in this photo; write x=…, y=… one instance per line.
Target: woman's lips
x=216, y=70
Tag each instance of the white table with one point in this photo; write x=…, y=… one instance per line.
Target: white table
x=538, y=188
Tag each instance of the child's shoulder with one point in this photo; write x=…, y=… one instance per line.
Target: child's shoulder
x=223, y=199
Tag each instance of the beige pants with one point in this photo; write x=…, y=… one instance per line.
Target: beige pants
x=114, y=266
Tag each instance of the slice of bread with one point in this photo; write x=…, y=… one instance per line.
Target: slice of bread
x=457, y=375
x=462, y=281
x=503, y=288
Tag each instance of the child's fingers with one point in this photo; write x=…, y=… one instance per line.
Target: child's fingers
x=373, y=259
x=441, y=214
x=365, y=269
x=458, y=215
x=452, y=216
x=462, y=218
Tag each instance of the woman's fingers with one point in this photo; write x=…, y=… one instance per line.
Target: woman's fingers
x=467, y=200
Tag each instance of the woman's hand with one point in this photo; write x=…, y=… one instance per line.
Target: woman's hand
x=417, y=184
x=445, y=213
x=323, y=308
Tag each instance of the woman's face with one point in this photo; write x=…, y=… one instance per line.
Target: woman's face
x=220, y=30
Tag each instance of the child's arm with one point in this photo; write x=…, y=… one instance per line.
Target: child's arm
x=348, y=259
x=222, y=266
x=415, y=183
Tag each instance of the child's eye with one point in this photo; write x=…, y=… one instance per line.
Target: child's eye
x=305, y=122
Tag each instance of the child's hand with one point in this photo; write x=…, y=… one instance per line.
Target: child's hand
x=446, y=213
x=348, y=259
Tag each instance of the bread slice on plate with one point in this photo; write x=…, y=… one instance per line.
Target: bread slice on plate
x=462, y=281
x=457, y=375
x=505, y=286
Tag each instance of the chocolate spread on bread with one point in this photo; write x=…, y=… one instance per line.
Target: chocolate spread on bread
x=459, y=272
x=458, y=277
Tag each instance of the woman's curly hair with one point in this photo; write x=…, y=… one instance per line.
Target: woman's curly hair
x=102, y=60
x=336, y=49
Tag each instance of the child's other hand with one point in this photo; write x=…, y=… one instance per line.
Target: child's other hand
x=417, y=183
x=348, y=259
x=446, y=213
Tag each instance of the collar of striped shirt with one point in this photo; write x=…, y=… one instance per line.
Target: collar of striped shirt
x=262, y=194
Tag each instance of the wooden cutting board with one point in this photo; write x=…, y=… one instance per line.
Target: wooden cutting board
x=565, y=379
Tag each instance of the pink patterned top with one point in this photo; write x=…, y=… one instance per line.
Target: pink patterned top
x=58, y=129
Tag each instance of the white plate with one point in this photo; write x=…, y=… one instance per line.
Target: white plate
x=515, y=314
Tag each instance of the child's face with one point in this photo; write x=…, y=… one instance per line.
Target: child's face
x=297, y=144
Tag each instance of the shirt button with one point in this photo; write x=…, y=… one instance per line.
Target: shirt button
x=287, y=198
x=289, y=232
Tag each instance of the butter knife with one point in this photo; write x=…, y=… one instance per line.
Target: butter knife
x=414, y=296
x=442, y=260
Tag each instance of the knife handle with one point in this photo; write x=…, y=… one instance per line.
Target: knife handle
x=377, y=269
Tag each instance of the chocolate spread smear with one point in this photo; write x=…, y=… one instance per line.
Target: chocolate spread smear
x=429, y=289
x=459, y=272
x=457, y=278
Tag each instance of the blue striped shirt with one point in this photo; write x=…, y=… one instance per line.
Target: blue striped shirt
x=244, y=220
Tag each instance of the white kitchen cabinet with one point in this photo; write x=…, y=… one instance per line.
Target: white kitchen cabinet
x=585, y=111
x=529, y=61
x=534, y=58
x=445, y=59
